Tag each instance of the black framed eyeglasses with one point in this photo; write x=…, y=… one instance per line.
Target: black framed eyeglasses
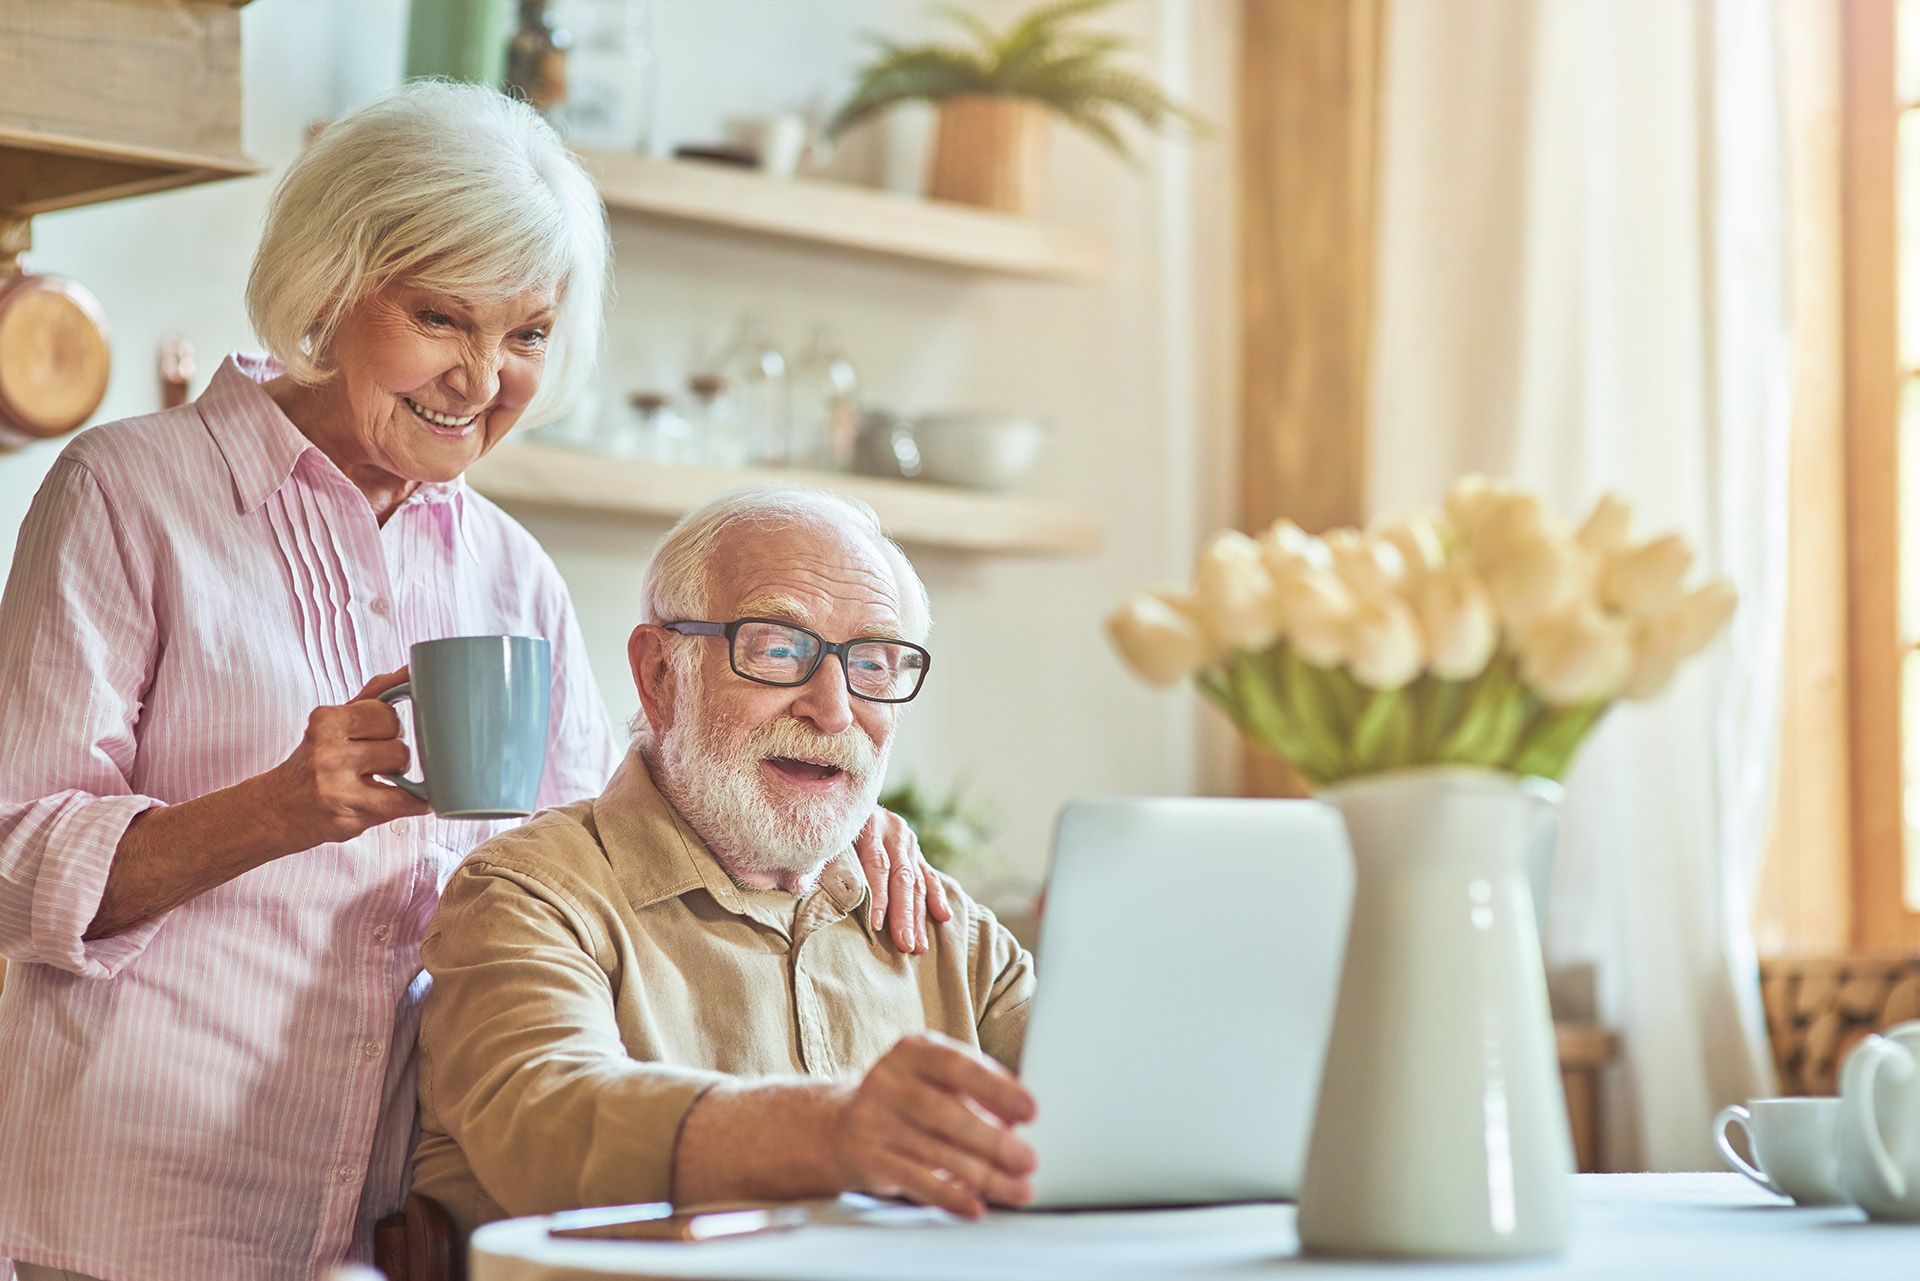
x=770, y=652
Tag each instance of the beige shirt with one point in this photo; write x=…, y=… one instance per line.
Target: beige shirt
x=595, y=971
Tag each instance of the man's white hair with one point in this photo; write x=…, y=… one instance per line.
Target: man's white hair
x=676, y=583
x=450, y=187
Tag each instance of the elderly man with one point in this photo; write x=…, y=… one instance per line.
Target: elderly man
x=677, y=991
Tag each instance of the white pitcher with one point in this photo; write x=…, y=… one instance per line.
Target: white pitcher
x=1442, y=1127
x=1880, y=1124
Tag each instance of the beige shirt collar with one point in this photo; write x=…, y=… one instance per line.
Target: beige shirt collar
x=655, y=855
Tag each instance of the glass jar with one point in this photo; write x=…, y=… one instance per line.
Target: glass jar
x=611, y=77
x=717, y=438
x=756, y=375
x=660, y=435
x=826, y=405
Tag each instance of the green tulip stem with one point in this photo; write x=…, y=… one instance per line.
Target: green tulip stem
x=1331, y=727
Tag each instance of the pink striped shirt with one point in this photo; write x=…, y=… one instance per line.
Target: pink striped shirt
x=226, y=1091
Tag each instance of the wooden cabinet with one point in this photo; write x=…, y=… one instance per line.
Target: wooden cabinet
x=107, y=98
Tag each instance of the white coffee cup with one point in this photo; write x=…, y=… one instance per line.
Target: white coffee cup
x=1793, y=1145
x=779, y=141
x=1880, y=1124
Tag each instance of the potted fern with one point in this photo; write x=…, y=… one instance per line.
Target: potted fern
x=996, y=93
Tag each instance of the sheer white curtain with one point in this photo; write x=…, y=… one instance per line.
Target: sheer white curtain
x=1582, y=287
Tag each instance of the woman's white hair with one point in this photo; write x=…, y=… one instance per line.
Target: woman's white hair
x=442, y=186
x=676, y=583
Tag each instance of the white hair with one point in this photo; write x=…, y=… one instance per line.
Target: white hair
x=449, y=187
x=676, y=583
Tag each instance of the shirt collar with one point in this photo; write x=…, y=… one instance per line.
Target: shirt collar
x=656, y=856
x=263, y=447
x=259, y=442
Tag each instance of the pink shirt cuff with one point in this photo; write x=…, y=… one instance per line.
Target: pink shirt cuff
x=67, y=895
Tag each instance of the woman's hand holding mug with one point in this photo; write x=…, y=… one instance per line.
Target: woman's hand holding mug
x=327, y=790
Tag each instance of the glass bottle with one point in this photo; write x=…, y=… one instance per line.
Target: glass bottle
x=537, y=59
x=756, y=373
x=660, y=435
x=610, y=74
x=717, y=438
x=826, y=405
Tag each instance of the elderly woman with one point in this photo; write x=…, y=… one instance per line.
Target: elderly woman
x=213, y=907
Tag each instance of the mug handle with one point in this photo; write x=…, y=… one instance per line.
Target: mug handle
x=1738, y=1115
x=1856, y=1082
x=412, y=786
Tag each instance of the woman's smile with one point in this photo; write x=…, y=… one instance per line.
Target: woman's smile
x=440, y=424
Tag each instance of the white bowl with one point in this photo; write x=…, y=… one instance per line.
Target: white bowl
x=982, y=451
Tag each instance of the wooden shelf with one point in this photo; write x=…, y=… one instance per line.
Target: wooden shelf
x=42, y=172
x=553, y=477
x=843, y=216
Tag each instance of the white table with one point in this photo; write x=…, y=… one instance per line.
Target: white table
x=1640, y=1227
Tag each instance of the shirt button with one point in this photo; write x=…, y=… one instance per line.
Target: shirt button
x=379, y=606
x=371, y=1049
x=380, y=932
x=399, y=827
x=344, y=1174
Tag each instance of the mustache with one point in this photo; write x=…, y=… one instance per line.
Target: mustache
x=849, y=751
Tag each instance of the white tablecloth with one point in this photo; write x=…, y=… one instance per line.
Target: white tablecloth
x=1627, y=1227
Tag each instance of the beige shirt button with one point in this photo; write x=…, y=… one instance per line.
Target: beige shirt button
x=344, y=1174
x=381, y=932
x=371, y=1049
x=400, y=827
x=379, y=606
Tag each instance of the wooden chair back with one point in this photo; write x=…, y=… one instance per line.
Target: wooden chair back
x=420, y=1243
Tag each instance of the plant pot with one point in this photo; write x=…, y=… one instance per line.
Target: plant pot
x=990, y=151
x=1441, y=1130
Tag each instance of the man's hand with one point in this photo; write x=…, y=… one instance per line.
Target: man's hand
x=933, y=1121
x=902, y=889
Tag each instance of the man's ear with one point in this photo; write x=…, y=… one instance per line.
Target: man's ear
x=652, y=666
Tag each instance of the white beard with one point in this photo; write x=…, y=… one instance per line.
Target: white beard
x=713, y=778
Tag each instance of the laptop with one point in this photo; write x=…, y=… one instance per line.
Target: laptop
x=1189, y=957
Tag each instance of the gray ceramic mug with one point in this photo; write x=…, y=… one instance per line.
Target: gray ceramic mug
x=479, y=723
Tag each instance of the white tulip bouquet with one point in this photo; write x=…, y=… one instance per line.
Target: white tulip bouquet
x=1489, y=634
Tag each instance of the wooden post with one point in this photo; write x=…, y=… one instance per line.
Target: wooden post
x=1309, y=110
x=1869, y=221
x=1806, y=892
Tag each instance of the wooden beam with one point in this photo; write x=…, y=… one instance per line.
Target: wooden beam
x=1309, y=111
x=1869, y=221
x=1806, y=891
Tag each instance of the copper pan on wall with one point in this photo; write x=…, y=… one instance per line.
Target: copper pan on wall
x=54, y=351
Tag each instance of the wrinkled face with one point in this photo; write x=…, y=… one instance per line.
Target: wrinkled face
x=431, y=382
x=782, y=779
